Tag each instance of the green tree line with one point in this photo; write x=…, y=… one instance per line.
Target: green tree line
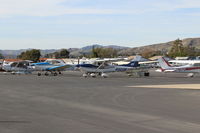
x=63, y=53
x=104, y=52
x=33, y=55
x=178, y=50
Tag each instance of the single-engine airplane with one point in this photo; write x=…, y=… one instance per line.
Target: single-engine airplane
x=105, y=67
x=53, y=67
x=166, y=67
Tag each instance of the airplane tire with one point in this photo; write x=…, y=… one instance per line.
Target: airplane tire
x=85, y=75
x=190, y=75
x=55, y=74
x=46, y=74
x=39, y=74
x=146, y=74
x=93, y=75
x=104, y=75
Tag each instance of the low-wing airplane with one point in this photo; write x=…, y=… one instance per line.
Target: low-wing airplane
x=105, y=67
x=50, y=67
x=166, y=67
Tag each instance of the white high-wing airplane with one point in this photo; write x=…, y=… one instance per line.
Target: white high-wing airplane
x=166, y=67
x=50, y=67
x=104, y=67
x=17, y=67
x=25, y=67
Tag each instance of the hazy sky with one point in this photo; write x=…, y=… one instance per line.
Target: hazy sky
x=76, y=23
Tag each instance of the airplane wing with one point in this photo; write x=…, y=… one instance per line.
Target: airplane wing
x=101, y=66
x=58, y=68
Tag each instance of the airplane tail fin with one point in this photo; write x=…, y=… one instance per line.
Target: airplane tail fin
x=163, y=63
x=137, y=58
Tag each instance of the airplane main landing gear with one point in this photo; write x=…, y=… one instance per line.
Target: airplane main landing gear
x=55, y=74
x=190, y=75
x=104, y=75
x=85, y=75
x=46, y=74
x=93, y=75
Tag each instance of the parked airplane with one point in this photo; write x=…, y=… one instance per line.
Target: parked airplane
x=103, y=67
x=166, y=67
x=17, y=67
x=25, y=67
x=50, y=67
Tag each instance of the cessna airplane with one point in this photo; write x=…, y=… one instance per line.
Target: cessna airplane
x=166, y=67
x=17, y=67
x=105, y=67
x=26, y=67
x=50, y=67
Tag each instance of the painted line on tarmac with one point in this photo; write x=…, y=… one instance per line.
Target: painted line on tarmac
x=173, y=86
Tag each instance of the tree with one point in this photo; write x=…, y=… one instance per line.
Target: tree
x=33, y=55
x=95, y=52
x=1, y=56
x=63, y=53
x=177, y=49
x=104, y=52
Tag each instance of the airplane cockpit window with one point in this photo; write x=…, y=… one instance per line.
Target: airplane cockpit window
x=54, y=62
x=14, y=64
x=20, y=64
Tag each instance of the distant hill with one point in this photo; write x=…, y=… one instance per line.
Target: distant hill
x=88, y=49
x=75, y=52
x=15, y=53
x=195, y=42
x=102, y=46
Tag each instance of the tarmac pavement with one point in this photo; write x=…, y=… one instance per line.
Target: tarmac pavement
x=119, y=104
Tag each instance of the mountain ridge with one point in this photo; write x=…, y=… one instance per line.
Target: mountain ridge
x=122, y=50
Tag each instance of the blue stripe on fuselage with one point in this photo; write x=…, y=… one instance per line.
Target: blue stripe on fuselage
x=40, y=64
x=132, y=64
x=87, y=65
